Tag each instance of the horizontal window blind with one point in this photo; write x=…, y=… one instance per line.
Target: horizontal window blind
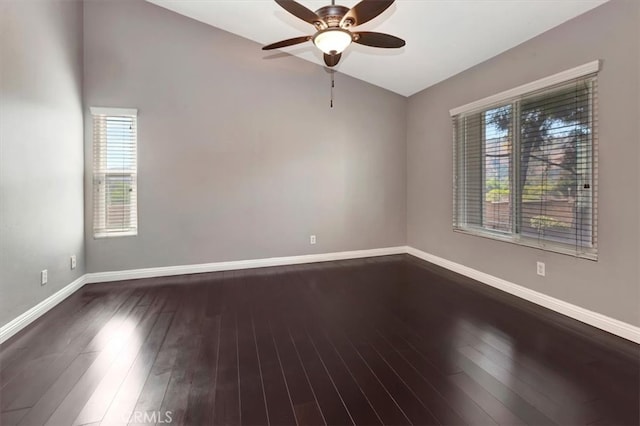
x=114, y=172
x=526, y=169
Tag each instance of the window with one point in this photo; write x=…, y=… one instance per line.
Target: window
x=115, y=210
x=525, y=165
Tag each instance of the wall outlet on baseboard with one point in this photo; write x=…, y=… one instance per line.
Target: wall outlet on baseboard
x=540, y=269
x=312, y=239
x=44, y=277
x=73, y=261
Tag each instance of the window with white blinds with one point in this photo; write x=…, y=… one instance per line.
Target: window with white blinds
x=525, y=166
x=115, y=211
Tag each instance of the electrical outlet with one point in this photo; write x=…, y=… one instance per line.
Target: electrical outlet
x=312, y=239
x=73, y=261
x=44, y=277
x=540, y=269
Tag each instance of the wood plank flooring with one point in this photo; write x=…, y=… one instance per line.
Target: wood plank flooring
x=381, y=341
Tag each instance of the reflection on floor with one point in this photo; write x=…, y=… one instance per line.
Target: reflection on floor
x=388, y=340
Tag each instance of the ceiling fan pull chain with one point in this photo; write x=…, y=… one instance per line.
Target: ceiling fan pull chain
x=333, y=84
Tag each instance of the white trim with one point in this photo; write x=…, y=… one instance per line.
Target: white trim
x=127, y=112
x=603, y=322
x=20, y=322
x=588, y=253
x=164, y=271
x=560, y=77
x=101, y=235
x=594, y=319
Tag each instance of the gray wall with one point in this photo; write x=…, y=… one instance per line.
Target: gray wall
x=610, y=285
x=240, y=156
x=235, y=162
x=41, y=150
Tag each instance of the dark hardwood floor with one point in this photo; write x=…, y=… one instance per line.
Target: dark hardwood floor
x=390, y=341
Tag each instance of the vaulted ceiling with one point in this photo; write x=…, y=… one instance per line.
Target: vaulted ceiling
x=444, y=37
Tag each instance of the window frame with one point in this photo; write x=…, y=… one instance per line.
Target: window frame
x=100, y=229
x=515, y=97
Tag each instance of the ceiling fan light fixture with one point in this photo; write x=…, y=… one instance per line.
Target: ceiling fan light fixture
x=332, y=40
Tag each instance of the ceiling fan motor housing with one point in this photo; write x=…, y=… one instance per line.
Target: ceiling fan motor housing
x=332, y=15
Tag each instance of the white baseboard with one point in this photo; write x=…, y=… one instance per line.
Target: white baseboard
x=163, y=271
x=594, y=319
x=20, y=322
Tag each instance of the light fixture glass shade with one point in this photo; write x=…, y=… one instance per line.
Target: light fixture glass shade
x=332, y=40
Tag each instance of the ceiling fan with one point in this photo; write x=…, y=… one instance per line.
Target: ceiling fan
x=333, y=25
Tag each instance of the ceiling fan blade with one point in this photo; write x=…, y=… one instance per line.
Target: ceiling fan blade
x=332, y=60
x=285, y=43
x=372, y=39
x=365, y=11
x=298, y=10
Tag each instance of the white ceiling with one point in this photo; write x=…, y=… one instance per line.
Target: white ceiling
x=444, y=37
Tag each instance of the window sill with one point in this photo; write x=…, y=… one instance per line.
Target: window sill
x=550, y=246
x=115, y=234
